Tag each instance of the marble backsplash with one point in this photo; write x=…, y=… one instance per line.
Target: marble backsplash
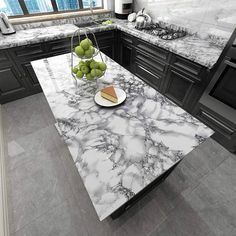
x=216, y=17
x=72, y=20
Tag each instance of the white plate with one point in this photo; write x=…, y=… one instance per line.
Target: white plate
x=105, y=103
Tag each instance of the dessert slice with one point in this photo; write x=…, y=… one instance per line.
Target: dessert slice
x=109, y=93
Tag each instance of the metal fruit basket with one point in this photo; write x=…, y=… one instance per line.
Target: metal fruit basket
x=78, y=33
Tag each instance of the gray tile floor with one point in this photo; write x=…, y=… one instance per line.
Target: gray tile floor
x=47, y=196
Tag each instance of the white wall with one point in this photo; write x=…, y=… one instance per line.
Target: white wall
x=204, y=16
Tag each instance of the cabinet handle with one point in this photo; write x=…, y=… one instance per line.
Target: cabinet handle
x=149, y=72
x=209, y=117
x=230, y=64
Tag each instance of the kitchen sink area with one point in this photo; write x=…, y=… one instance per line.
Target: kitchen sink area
x=92, y=23
x=117, y=118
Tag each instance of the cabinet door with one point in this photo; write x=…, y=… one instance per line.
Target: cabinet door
x=179, y=87
x=31, y=78
x=108, y=48
x=126, y=56
x=11, y=84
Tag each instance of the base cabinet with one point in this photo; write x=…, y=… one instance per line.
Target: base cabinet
x=30, y=77
x=177, y=87
x=17, y=77
x=179, y=79
x=108, y=48
x=147, y=74
x=126, y=56
x=12, y=85
x=183, y=88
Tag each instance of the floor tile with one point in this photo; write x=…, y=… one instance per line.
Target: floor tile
x=184, y=221
x=36, y=187
x=207, y=157
x=222, y=180
x=26, y=148
x=62, y=220
x=26, y=115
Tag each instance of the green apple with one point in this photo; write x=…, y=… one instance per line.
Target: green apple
x=87, y=63
x=79, y=51
x=79, y=74
x=75, y=70
x=98, y=72
x=102, y=66
x=86, y=43
x=92, y=49
x=93, y=72
x=85, y=69
x=81, y=63
x=94, y=65
x=88, y=53
x=89, y=76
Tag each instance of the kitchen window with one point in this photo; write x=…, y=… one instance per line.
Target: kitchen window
x=21, y=8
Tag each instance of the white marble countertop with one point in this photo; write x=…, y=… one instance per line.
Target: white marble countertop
x=193, y=48
x=117, y=151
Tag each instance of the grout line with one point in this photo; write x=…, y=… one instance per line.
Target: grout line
x=4, y=224
x=39, y=216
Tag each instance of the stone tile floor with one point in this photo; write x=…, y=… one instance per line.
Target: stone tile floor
x=46, y=195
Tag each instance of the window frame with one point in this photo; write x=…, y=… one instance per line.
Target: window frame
x=55, y=9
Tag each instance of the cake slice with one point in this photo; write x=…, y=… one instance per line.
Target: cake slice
x=109, y=93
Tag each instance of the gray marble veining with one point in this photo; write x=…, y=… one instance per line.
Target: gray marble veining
x=117, y=151
x=70, y=20
x=202, y=51
x=37, y=35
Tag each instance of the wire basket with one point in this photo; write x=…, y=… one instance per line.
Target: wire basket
x=78, y=34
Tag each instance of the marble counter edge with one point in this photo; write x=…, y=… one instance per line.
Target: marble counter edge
x=117, y=25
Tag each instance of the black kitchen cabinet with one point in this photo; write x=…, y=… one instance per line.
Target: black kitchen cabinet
x=108, y=48
x=150, y=63
x=126, y=51
x=179, y=79
x=58, y=47
x=17, y=77
x=147, y=74
x=184, y=88
x=177, y=86
x=30, y=77
x=126, y=56
x=12, y=85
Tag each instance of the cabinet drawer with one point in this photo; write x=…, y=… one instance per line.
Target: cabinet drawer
x=187, y=66
x=146, y=74
x=58, y=46
x=215, y=123
x=28, y=51
x=126, y=38
x=105, y=35
x=151, y=61
x=153, y=50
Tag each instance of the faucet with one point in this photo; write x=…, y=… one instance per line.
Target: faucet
x=91, y=9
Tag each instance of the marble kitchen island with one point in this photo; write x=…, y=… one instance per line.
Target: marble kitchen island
x=122, y=150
